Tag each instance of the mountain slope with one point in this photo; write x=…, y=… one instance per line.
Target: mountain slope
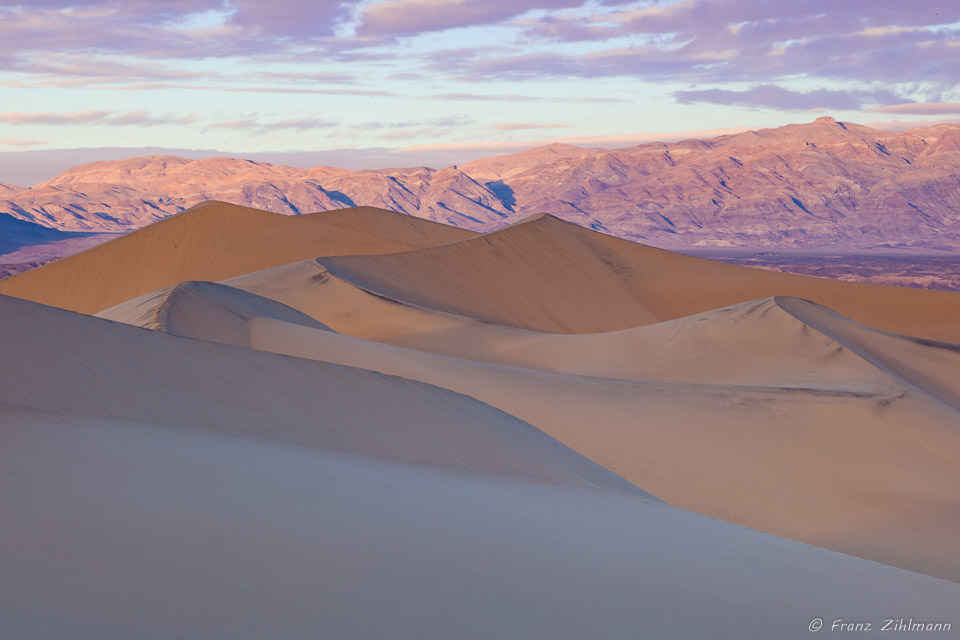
x=825, y=184
x=16, y=234
x=124, y=195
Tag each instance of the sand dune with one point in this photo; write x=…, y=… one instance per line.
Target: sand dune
x=745, y=343
x=213, y=241
x=150, y=377
x=548, y=275
x=241, y=494
x=741, y=352
x=205, y=311
x=696, y=393
x=126, y=530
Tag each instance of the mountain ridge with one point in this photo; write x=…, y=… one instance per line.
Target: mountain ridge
x=825, y=184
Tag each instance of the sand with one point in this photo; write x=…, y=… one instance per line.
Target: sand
x=818, y=441
x=213, y=241
x=204, y=310
x=541, y=432
x=549, y=275
x=359, y=505
x=128, y=530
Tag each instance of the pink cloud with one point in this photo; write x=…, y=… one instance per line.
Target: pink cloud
x=519, y=126
x=921, y=108
x=902, y=125
x=514, y=97
x=609, y=142
x=21, y=142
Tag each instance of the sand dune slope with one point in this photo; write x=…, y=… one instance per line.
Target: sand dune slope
x=205, y=311
x=863, y=465
x=930, y=366
x=213, y=241
x=63, y=361
x=741, y=350
x=156, y=486
x=548, y=275
x=809, y=428
x=115, y=529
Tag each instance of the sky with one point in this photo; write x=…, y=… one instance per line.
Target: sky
x=380, y=83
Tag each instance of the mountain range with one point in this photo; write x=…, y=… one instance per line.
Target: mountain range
x=826, y=184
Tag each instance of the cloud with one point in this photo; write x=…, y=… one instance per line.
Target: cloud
x=257, y=124
x=289, y=18
x=697, y=41
x=776, y=97
x=73, y=117
x=519, y=126
x=418, y=129
x=920, y=108
x=888, y=41
x=20, y=142
x=901, y=125
x=168, y=28
x=140, y=118
x=158, y=86
x=515, y=97
x=144, y=119
x=412, y=17
x=618, y=141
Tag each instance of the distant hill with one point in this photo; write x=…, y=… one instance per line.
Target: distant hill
x=16, y=233
x=825, y=184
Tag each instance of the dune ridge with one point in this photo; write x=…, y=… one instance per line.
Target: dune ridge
x=566, y=279
x=205, y=311
x=213, y=241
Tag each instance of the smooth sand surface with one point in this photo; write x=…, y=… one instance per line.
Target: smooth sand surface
x=755, y=381
x=213, y=241
x=204, y=310
x=116, y=529
x=64, y=361
x=549, y=275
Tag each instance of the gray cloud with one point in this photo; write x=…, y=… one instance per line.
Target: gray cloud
x=259, y=124
x=776, y=97
x=412, y=17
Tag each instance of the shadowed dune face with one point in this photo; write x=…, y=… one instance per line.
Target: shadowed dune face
x=205, y=311
x=214, y=241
